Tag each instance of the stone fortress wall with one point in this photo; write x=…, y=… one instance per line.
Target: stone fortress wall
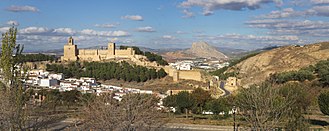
x=185, y=75
x=72, y=53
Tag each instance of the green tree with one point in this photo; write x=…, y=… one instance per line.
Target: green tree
x=300, y=100
x=322, y=69
x=200, y=98
x=13, y=91
x=323, y=101
x=161, y=73
x=53, y=98
x=266, y=107
x=184, y=101
x=134, y=112
x=71, y=97
x=170, y=101
x=218, y=105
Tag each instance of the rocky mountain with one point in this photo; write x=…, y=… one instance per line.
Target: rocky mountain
x=257, y=68
x=198, y=50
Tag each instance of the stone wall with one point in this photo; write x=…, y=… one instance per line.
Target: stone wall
x=190, y=75
x=184, y=75
x=72, y=53
x=87, y=52
x=127, y=52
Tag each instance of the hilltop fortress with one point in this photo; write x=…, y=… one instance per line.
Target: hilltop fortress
x=72, y=53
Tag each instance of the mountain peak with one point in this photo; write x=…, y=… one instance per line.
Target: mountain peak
x=203, y=49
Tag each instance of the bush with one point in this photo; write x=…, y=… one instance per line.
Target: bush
x=150, y=56
x=323, y=101
x=301, y=75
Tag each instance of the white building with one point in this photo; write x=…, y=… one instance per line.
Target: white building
x=48, y=82
x=182, y=65
x=59, y=76
x=65, y=84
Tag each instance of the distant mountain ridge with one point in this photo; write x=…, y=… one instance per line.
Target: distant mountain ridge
x=197, y=50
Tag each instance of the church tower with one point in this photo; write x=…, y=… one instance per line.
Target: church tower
x=70, y=51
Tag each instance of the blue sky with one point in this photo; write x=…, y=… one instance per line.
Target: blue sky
x=244, y=24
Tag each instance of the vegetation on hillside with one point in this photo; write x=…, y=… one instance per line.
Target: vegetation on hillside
x=197, y=102
x=106, y=71
x=221, y=72
x=137, y=50
x=149, y=55
x=323, y=101
x=318, y=72
x=36, y=57
x=155, y=57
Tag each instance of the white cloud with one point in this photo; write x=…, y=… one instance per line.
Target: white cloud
x=64, y=31
x=211, y=5
x=292, y=27
x=250, y=41
x=320, y=10
x=181, y=32
x=187, y=14
x=107, y=25
x=25, y=8
x=169, y=37
x=285, y=13
x=12, y=23
x=207, y=12
x=133, y=17
x=4, y=29
x=291, y=13
x=320, y=1
x=48, y=38
x=118, y=33
x=145, y=29
x=35, y=30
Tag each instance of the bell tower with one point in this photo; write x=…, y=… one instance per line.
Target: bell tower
x=70, y=51
x=70, y=41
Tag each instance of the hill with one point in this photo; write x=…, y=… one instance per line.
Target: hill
x=198, y=50
x=257, y=68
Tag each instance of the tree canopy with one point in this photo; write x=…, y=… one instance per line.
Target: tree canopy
x=36, y=57
x=106, y=71
x=318, y=72
x=149, y=55
x=323, y=101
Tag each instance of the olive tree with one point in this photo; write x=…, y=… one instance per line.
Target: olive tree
x=323, y=101
x=133, y=112
x=266, y=107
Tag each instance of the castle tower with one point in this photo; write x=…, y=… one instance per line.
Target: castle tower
x=70, y=41
x=111, y=49
x=70, y=51
x=131, y=51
